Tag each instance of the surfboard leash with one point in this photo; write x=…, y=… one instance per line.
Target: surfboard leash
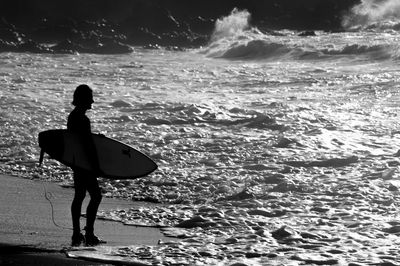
x=48, y=196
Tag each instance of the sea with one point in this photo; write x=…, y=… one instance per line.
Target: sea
x=273, y=148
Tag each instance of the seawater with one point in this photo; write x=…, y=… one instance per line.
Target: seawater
x=307, y=126
x=177, y=102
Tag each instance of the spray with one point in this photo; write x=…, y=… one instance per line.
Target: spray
x=372, y=11
x=232, y=25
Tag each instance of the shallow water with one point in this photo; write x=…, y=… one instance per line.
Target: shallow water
x=247, y=143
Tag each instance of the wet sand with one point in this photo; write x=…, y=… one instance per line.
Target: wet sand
x=28, y=235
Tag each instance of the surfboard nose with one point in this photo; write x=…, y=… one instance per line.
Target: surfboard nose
x=41, y=157
x=40, y=138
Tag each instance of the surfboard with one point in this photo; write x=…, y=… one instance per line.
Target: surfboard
x=116, y=159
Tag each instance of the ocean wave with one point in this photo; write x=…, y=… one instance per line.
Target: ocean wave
x=235, y=23
x=376, y=52
x=234, y=38
x=190, y=114
x=257, y=46
x=256, y=49
x=373, y=15
x=385, y=26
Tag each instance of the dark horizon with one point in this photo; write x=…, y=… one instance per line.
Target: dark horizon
x=307, y=14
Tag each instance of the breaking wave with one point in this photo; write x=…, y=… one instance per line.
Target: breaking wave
x=374, y=14
x=234, y=38
x=278, y=49
x=236, y=23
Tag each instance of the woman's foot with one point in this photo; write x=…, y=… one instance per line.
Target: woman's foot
x=77, y=239
x=92, y=240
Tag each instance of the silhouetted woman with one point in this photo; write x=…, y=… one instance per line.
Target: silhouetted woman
x=84, y=181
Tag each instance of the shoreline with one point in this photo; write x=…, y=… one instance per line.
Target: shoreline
x=29, y=236
x=28, y=255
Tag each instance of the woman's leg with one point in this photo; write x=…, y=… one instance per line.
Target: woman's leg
x=76, y=206
x=95, y=199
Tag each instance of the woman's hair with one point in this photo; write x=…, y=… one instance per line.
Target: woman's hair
x=83, y=94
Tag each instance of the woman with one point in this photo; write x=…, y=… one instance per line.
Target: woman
x=79, y=123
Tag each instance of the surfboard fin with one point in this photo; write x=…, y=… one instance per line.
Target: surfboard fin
x=41, y=157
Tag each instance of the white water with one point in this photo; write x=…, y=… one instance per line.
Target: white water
x=381, y=14
x=245, y=88
x=176, y=104
x=236, y=23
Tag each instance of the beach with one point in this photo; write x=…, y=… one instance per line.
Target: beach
x=28, y=235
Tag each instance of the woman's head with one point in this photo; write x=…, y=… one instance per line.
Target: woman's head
x=83, y=96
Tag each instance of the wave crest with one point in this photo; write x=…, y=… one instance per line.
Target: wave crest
x=256, y=49
x=374, y=14
x=264, y=47
x=231, y=25
x=234, y=39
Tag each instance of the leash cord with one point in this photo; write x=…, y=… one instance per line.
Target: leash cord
x=48, y=196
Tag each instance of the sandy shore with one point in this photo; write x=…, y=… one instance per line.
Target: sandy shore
x=28, y=235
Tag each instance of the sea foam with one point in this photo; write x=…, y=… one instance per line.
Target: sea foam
x=373, y=12
x=231, y=25
x=235, y=39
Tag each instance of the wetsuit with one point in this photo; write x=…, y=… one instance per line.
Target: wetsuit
x=84, y=181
